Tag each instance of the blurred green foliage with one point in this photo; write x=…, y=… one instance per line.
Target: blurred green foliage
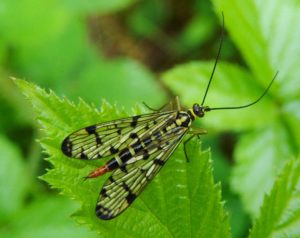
x=114, y=50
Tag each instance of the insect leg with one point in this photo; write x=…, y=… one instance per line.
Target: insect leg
x=178, y=106
x=174, y=104
x=155, y=110
x=194, y=132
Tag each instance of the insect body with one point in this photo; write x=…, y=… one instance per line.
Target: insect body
x=140, y=146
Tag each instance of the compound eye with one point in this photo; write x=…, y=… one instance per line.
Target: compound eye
x=198, y=110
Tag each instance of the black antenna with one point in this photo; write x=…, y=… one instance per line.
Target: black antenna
x=216, y=61
x=250, y=104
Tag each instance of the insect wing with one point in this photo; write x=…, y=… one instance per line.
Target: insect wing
x=123, y=186
x=108, y=138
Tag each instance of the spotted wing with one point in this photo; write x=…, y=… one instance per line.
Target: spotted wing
x=108, y=138
x=124, y=185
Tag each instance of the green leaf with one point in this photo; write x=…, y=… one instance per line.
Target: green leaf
x=232, y=86
x=280, y=213
x=46, y=217
x=97, y=7
x=183, y=199
x=13, y=179
x=121, y=81
x=36, y=61
x=267, y=34
x=198, y=31
x=291, y=115
x=259, y=155
x=147, y=19
x=23, y=22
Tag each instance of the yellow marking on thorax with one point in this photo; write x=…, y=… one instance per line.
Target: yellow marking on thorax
x=194, y=115
x=178, y=122
x=171, y=127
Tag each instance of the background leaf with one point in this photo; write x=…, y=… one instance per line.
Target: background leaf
x=13, y=179
x=45, y=218
x=257, y=28
x=100, y=7
x=257, y=162
x=267, y=34
x=120, y=81
x=280, y=211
